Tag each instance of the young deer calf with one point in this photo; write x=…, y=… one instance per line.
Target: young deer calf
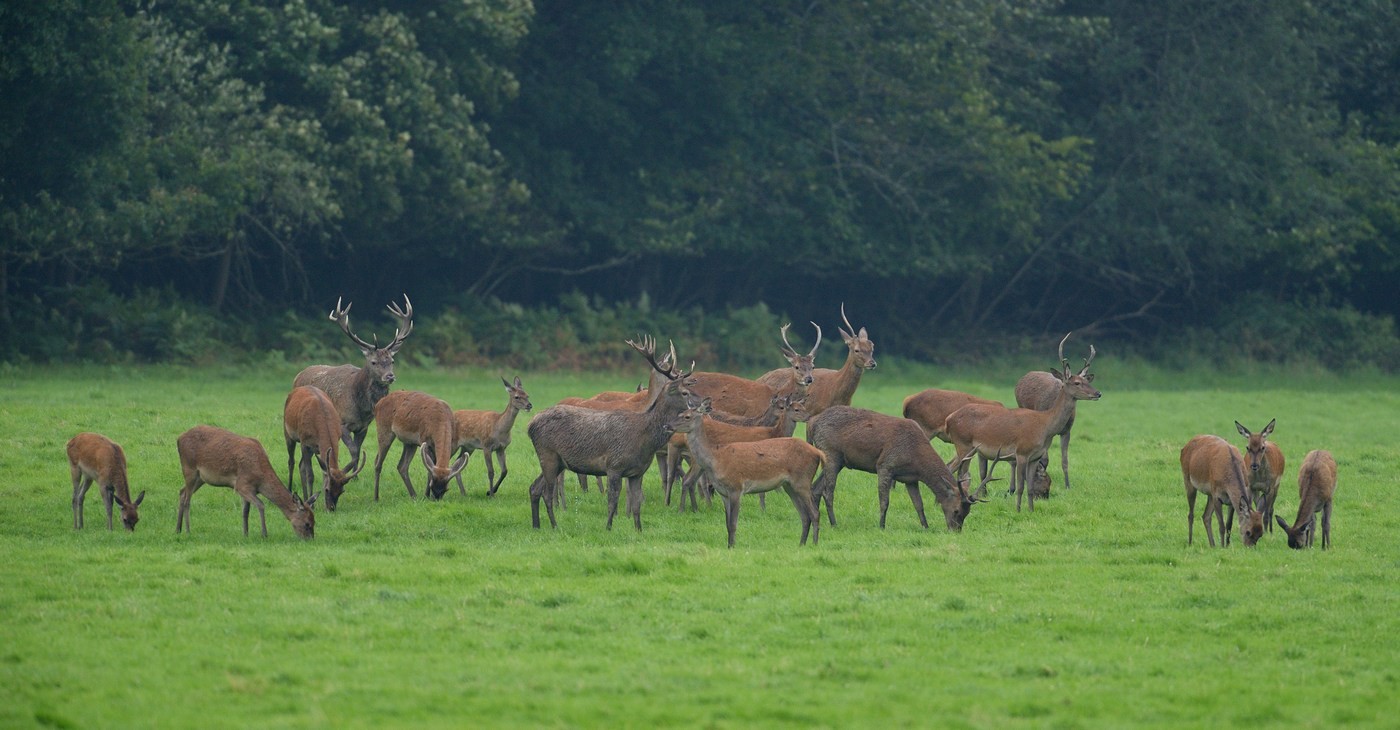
x=211, y=455
x=94, y=457
x=418, y=419
x=490, y=432
x=309, y=418
x=1265, y=462
x=1317, y=482
x=1213, y=465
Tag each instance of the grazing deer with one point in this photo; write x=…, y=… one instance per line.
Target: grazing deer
x=1038, y=390
x=1265, y=462
x=356, y=390
x=894, y=449
x=93, y=457
x=619, y=444
x=211, y=455
x=418, y=419
x=1317, y=482
x=490, y=432
x=310, y=419
x=791, y=411
x=799, y=376
x=749, y=467
x=1213, y=465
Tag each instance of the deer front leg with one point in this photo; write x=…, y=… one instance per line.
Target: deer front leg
x=108, y=495
x=79, y=496
x=1064, y=451
x=1211, y=506
x=825, y=487
x=404, y=460
x=918, y=500
x=731, y=512
x=1326, y=524
x=635, y=497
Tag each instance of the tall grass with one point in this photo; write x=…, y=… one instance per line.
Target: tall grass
x=1091, y=612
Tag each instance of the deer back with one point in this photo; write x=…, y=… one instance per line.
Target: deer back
x=930, y=408
x=353, y=391
x=733, y=394
x=103, y=460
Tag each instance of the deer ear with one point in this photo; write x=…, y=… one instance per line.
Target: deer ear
x=312, y=501
x=139, y=497
x=1268, y=429
x=505, y=383
x=517, y=381
x=1243, y=431
x=1089, y=377
x=1283, y=524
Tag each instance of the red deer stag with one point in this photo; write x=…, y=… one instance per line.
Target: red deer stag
x=212, y=455
x=619, y=444
x=997, y=432
x=894, y=449
x=1317, y=483
x=489, y=431
x=356, y=390
x=93, y=457
x=799, y=375
x=744, y=398
x=310, y=420
x=1265, y=462
x=750, y=467
x=837, y=387
x=418, y=419
x=1213, y=465
x=1038, y=390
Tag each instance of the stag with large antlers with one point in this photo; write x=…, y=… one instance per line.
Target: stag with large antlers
x=1038, y=389
x=355, y=390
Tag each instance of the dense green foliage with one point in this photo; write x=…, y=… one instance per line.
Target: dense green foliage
x=947, y=169
x=1091, y=612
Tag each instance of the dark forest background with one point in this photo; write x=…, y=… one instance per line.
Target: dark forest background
x=183, y=180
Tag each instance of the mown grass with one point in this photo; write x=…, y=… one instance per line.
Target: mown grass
x=1091, y=612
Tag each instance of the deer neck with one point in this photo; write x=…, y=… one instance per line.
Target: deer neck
x=279, y=495
x=368, y=390
x=846, y=381
x=504, y=423
x=699, y=443
x=1059, y=413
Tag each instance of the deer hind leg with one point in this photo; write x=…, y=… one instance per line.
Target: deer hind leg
x=731, y=513
x=803, y=503
x=635, y=497
x=825, y=487
x=1190, y=511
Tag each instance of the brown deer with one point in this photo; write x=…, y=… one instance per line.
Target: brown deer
x=221, y=458
x=1022, y=432
x=744, y=398
x=837, y=387
x=356, y=390
x=893, y=448
x=1213, y=465
x=489, y=431
x=791, y=411
x=750, y=467
x=1038, y=390
x=93, y=457
x=418, y=419
x=309, y=419
x=931, y=408
x=799, y=375
x=676, y=448
x=618, y=444
x=1264, y=460
x=1317, y=483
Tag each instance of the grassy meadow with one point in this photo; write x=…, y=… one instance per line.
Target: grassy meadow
x=1090, y=612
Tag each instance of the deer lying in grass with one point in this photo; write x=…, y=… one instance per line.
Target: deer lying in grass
x=790, y=411
x=1038, y=390
x=93, y=457
x=894, y=449
x=1213, y=465
x=212, y=455
x=356, y=390
x=1264, y=460
x=619, y=444
x=997, y=432
x=489, y=431
x=1317, y=483
x=310, y=419
x=418, y=419
x=750, y=467
x=837, y=387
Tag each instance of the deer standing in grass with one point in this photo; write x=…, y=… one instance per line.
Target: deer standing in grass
x=93, y=457
x=1213, y=465
x=418, y=419
x=836, y=387
x=749, y=467
x=790, y=411
x=996, y=432
x=618, y=444
x=310, y=420
x=744, y=398
x=1264, y=460
x=212, y=455
x=1039, y=389
x=893, y=448
x=1317, y=483
x=356, y=390
x=489, y=431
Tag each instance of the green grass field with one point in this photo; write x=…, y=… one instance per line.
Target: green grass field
x=1091, y=612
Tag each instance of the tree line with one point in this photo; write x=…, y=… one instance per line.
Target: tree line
x=949, y=168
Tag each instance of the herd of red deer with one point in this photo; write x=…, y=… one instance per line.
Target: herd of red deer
x=735, y=433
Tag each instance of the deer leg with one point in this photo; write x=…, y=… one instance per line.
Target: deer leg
x=1064, y=451
x=663, y=468
x=1211, y=507
x=635, y=497
x=614, y=491
x=1190, y=511
x=1326, y=524
x=501, y=458
x=731, y=513
x=885, y=481
x=825, y=486
x=405, y=459
x=182, y=513
x=262, y=515
x=804, y=511
x=291, y=458
x=918, y=500
x=80, y=489
x=1225, y=525
x=108, y=494
x=307, y=475
x=1016, y=479
x=460, y=487
x=688, y=487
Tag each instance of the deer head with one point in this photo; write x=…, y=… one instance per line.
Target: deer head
x=1078, y=385
x=379, y=361
x=519, y=399
x=129, y=516
x=1254, y=451
x=801, y=364
x=862, y=349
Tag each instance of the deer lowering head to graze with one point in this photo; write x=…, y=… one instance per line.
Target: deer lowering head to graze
x=356, y=390
x=310, y=420
x=1317, y=483
x=931, y=408
x=1213, y=465
x=93, y=457
x=752, y=467
x=1263, y=461
x=418, y=419
x=489, y=431
x=619, y=444
x=799, y=375
x=837, y=387
x=1038, y=390
x=212, y=455
x=895, y=450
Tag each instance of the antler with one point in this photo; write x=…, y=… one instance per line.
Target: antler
x=1088, y=360
x=648, y=351
x=850, y=331
x=792, y=351
x=341, y=316
x=1063, y=361
x=405, y=318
